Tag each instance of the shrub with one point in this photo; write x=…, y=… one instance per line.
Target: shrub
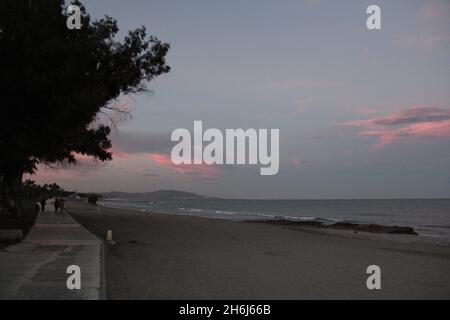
x=93, y=198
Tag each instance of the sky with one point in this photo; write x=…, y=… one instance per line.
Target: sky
x=362, y=114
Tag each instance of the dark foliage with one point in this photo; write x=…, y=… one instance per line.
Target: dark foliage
x=56, y=81
x=93, y=198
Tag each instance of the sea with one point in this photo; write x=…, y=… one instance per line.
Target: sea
x=429, y=218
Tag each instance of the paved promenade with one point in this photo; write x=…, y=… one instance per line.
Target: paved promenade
x=36, y=268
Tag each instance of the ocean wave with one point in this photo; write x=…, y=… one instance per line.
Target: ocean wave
x=313, y=219
x=191, y=210
x=437, y=226
x=433, y=220
x=227, y=212
x=256, y=215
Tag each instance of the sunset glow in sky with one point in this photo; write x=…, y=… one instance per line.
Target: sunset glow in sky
x=362, y=114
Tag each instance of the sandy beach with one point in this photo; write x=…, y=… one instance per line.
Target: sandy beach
x=161, y=256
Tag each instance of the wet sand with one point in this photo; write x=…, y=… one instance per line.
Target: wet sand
x=160, y=256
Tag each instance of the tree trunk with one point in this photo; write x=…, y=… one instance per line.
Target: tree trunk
x=11, y=192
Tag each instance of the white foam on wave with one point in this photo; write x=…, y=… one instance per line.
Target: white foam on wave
x=227, y=212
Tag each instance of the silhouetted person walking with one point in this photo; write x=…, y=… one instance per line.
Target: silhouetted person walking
x=62, y=204
x=57, y=204
x=43, y=203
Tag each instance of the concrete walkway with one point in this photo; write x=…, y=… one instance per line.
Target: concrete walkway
x=36, y=268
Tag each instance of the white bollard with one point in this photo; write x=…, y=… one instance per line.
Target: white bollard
x=109, y=236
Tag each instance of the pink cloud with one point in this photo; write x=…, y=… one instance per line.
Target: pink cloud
x=119, y=154
x=425, y=41
x=433, y=9
x=85, y=166
x=406, y=125
x=405, y=116
x=433, y=17
x=194, y=171
x=366, y=111
x=299, y=163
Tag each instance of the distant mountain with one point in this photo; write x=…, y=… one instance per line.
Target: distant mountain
x=156, y=195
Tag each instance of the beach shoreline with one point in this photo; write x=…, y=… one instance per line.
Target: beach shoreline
x=418, y=217
x=163, y=256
